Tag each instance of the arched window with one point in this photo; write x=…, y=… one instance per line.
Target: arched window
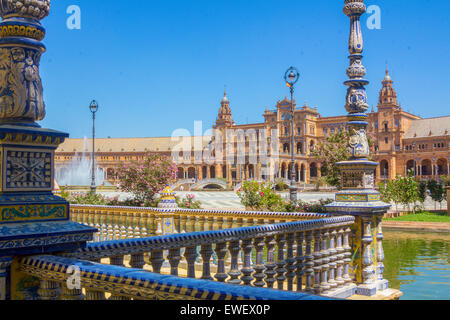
x=300, y=148
x=384, y=167
x=313, y=170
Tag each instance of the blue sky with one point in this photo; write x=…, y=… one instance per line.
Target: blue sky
x=156, y=66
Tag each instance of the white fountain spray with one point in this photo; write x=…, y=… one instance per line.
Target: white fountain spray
x=78, y=172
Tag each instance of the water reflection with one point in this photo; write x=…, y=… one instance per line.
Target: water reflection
x=418, y=264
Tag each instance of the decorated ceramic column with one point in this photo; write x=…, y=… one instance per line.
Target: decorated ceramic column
x=32, y=219
x=358, y=196
x=169, y=204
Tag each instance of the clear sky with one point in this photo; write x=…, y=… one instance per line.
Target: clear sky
x=156, y=66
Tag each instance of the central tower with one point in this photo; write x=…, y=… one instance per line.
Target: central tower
x=358, y=196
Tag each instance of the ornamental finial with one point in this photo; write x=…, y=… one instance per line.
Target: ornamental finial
x=31, y=9
x=21, y=91
x=356, y=101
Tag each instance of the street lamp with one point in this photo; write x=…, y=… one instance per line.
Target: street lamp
x=94, y=108
x=291, y=77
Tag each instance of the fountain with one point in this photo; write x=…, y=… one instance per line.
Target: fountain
x=78, y=172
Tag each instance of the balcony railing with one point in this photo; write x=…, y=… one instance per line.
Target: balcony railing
x=310, y=256
x=101, y=282
x=116, y=223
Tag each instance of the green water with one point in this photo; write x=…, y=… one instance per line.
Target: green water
x=418, y=264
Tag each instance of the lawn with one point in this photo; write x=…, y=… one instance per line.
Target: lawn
x=422, y=217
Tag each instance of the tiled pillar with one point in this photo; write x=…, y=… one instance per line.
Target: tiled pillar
x=5, y=263
x=200, y=173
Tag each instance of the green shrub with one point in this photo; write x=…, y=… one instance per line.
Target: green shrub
x=280, y=185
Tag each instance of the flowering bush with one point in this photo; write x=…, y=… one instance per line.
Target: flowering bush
x=189, y=202
x=146, y=178
x=249, y=195
x=132, y=202
x=87, y=198
x=91, y=198
x=306, y=207
x=259, y=196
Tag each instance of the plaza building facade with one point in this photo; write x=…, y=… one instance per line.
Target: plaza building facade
x=402, y=142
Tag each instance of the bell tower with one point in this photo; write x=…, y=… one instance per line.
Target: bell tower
x=225, y=117
x=388, y=96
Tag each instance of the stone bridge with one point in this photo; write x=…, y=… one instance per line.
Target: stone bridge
x=210, y=184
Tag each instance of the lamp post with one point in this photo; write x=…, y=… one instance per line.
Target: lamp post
x=94, y=108
x=291, y=77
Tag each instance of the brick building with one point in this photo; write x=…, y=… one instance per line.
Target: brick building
x=403, y=141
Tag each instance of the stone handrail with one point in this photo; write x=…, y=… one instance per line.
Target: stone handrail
x=115, y=223
x=205, y=212
x=311, y=256
x=119, y=283
x=185, y=181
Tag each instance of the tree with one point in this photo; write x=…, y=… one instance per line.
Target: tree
x=393, y=192
x=332, y=150
x=402, y=190
x=436, y=192
x=385, y=190
x=147, y=177
x=446, y=182
x=422, y=191
x=409, y=190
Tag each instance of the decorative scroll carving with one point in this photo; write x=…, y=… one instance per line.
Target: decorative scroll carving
x=21, y=91
x=359, y=145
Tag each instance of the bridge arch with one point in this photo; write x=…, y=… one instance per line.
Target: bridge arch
x=210, y=184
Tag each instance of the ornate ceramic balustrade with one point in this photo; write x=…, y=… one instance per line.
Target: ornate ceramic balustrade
x=115, y=223
x=99, y=281
x=306, y=256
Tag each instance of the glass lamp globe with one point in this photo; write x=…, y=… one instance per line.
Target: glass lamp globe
x=93, y=106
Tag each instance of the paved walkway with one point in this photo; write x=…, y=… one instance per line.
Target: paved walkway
x=230, y=200
x=417, y=226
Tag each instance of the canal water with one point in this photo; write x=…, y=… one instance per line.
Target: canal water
x=418, y=264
